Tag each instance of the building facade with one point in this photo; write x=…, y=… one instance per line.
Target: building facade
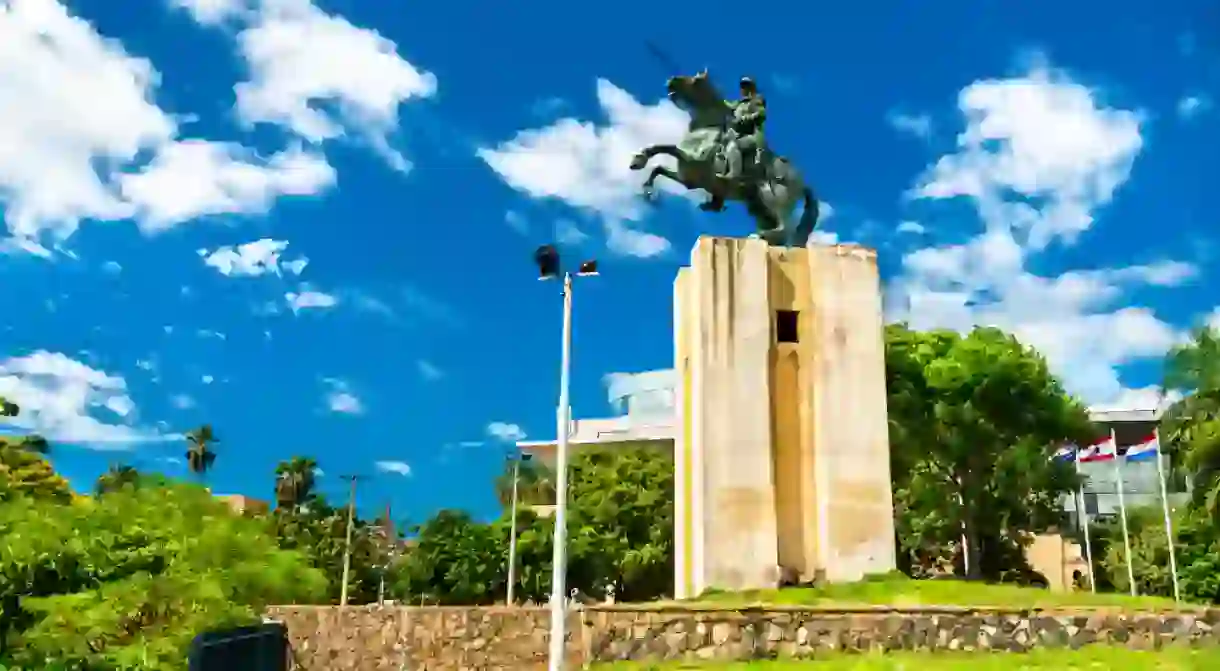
x=1140, y=479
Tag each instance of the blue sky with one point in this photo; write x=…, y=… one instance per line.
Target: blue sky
x=310, y=223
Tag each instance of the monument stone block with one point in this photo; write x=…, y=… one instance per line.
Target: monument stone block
x=782, y=449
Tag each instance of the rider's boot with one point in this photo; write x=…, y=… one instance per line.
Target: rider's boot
x=713, y=204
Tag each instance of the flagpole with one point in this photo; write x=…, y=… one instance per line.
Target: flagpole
x=1083, y=519
x=1173, y=559
x=1122, y=509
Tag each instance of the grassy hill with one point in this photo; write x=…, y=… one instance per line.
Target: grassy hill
x=900, y=591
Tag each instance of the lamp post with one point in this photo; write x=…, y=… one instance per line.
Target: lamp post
x=547, y=259
x=518, y=457
x=347, y=545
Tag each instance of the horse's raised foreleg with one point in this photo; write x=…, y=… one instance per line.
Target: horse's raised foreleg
x=662, y=171
x=646, y=154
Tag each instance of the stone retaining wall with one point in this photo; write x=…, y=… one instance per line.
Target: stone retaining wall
x=372, y=638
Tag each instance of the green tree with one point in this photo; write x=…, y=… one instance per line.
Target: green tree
x=199, y=454
x=294, y=482
x=535, y=483
x=620, y=539
x=974, y=420
x=125, y=581
x=24, y=469
x=319, y=531
x=116, y=478
x=1191, y=426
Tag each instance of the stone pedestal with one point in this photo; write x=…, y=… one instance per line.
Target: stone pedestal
x=782, y=449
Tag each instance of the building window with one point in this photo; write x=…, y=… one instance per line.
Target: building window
x=786, y=326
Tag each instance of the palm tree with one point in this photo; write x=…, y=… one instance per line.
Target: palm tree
x=199, y=455
x=119, y=476
x=294, y=482
x=1192, y=425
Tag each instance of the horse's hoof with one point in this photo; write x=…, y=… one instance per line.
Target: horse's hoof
x=638, y=162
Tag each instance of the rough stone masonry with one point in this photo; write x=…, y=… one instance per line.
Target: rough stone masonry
x=372, y=638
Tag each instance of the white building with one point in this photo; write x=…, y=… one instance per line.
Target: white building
x=645, y=403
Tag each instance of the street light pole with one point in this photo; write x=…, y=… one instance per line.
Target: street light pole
x=559, y=555
x=512, y=533
x=347, y=547
x=547, y=258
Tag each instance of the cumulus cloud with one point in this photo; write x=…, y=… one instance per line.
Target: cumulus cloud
x=505, y=432
x=1038, y=158
x=587, y=165
x=1192, y=106
x=252, y=259
x=67, y=401
x=193, y=178
x=315, y=74
x=397, y=467
x=309, y=299
x=341, y=399
x=77, y=118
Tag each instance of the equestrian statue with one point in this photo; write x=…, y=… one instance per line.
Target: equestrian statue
x=724, y=152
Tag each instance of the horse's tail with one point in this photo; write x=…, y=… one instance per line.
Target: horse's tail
x=809, y=220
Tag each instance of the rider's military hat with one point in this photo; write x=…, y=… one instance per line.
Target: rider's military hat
x=748, y=83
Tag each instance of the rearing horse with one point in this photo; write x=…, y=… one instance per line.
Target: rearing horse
x=778, y=185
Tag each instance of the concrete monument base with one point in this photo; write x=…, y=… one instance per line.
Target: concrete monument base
x=782, y=447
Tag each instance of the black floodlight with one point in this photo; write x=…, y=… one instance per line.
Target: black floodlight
x=547, y=259
x=588, y=268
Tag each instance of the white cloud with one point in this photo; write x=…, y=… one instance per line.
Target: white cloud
x=505, y=432
x=182, y=401
x=309, y=299
x=429, y=370
x=77, y=116
x=1044, y=137
x=193, y=178
x=112, y=267
x=912, y=227
x=341, y=399
x=316, y=74
x=211, y=12
x=1038, y=158
x=252, y=259
x=918, y=125
x=398, y=467
x=587, y=166
x=1193, y=105
x=67, y=401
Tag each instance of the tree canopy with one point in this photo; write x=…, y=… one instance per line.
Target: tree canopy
x=975, y=419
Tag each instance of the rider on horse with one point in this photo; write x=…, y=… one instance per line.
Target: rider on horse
x=744, y=142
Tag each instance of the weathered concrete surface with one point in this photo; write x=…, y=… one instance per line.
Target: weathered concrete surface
x=376, y=639
x=782, y=445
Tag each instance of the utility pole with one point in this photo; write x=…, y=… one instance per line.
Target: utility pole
x=347, y=547
x=391, y=543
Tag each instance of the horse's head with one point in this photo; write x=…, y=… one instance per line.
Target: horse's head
x=692, y=90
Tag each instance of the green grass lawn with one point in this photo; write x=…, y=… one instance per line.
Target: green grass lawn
x=901, y=591
x=1098, y=658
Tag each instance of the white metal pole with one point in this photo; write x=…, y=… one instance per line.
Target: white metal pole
x=1119, y=461
x=559, y=555
x=347, y=546
x=1173, y=558
x=1082, y=518
x=512, y=535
